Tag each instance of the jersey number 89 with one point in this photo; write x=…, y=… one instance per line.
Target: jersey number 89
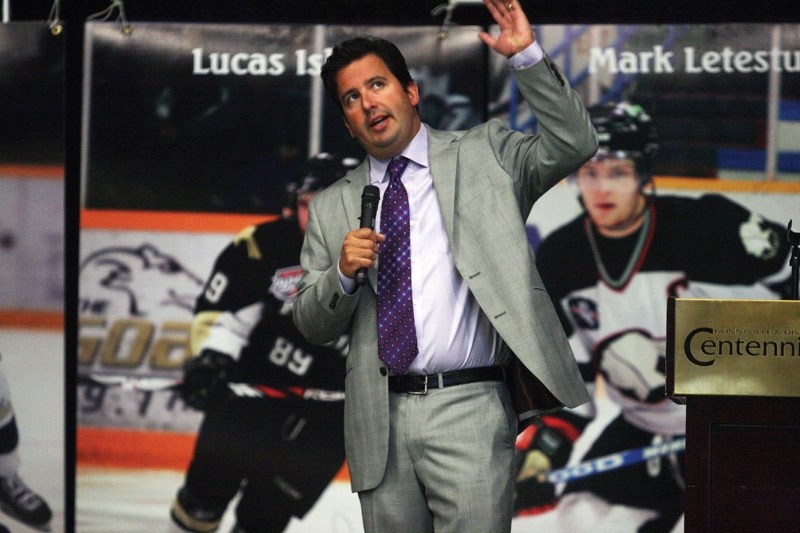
x=285, y=353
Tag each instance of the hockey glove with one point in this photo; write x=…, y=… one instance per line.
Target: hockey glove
x=205, y=378
x=543, y=446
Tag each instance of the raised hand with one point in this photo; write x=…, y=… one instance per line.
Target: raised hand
x=516, y=33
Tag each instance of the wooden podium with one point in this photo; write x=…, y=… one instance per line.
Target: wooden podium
x=736, y=365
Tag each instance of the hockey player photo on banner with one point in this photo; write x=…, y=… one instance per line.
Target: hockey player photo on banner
x=689, y=195
x=204, y=144
x=32, y=365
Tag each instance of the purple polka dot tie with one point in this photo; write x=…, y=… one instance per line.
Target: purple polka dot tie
x=397, y=336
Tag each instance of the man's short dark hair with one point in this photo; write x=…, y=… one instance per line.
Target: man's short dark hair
x=356, y=48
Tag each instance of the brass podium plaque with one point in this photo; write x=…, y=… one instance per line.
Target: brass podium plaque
x=733, y=347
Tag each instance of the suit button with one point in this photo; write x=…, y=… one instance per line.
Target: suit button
x=383, y=371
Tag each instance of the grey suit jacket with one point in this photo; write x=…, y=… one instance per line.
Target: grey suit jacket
x=486, y=181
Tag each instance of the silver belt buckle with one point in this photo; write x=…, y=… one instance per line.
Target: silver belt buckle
x=424, y=391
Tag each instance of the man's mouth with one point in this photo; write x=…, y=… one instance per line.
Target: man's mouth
x=378, y=121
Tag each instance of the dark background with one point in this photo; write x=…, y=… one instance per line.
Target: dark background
x=415, y=11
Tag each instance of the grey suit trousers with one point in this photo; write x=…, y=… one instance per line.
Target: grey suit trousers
x=450, y=464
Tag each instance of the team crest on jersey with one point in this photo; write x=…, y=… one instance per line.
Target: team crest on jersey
x=758, y=239
x=284, y=286
x=584, y=313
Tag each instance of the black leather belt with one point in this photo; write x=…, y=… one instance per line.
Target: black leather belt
x=420, y=383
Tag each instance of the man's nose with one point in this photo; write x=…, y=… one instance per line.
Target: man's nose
x=366, y=101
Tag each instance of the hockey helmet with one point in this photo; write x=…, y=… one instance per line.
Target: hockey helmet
x=321, y=171
x=317, y=173
x=626, y=130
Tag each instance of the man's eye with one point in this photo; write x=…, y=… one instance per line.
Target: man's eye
x=377, y=84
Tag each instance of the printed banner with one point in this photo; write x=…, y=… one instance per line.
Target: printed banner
x=32, y=363
x=714, y=112
x=192, y=133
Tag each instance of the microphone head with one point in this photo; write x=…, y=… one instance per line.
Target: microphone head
x=371, y=192
x=370, y=197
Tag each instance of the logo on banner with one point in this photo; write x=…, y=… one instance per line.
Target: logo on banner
x=135, y=282
x=136, y=304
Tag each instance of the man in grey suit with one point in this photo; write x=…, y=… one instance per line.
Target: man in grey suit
x=431, y=392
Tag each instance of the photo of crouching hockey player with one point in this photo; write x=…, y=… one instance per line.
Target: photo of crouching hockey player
x=281, y=450
x=610, y=271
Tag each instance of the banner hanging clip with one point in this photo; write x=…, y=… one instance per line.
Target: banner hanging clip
x=448, y=8
x=107, y=13
x=54, y=20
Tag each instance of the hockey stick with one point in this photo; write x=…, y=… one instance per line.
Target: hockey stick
x=240, y=390
x=613, y=461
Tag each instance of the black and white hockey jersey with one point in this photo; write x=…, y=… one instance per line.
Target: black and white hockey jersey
x=611, y=294
x=245, y=311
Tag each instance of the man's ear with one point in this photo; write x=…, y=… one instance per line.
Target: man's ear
x=412, y=89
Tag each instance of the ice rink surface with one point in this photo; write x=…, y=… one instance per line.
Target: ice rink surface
x=137, y=501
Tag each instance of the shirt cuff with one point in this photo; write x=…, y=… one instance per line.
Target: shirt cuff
x=348, y=285
x=526, y=58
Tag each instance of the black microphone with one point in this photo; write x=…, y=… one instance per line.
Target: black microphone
x=370, y=197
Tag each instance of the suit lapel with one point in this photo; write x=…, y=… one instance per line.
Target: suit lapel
x=442, y=156
x=351, y=194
